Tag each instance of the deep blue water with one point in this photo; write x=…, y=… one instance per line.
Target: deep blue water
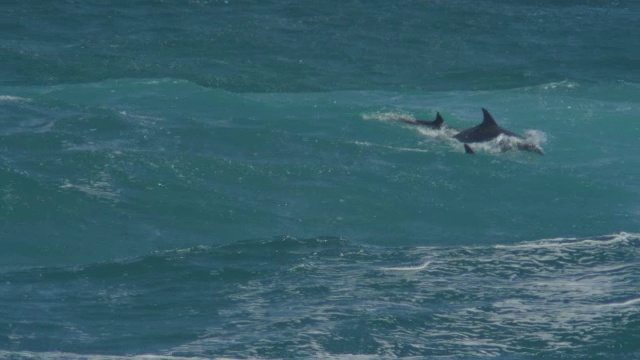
x=229, y=179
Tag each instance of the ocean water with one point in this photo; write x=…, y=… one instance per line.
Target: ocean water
x=229, y=179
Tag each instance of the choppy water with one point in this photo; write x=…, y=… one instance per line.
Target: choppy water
x=322, y=297
x=228, y=179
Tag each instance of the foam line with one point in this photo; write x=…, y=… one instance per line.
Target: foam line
x=409, y=268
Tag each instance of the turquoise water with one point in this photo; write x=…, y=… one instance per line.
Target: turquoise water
x=229, y=179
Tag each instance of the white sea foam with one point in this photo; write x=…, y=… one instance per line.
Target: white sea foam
x=565, y=84
x=395, y=148
x=627, y=303
x=621, y=237
x=409, y=268
x=388, y=116
x=71, y=356
x=11, y=98
x=100, y=188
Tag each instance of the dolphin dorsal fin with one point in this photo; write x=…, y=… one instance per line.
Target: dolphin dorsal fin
x=488, y=119
x=439, y=120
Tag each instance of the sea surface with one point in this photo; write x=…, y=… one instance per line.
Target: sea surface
x=233, y=179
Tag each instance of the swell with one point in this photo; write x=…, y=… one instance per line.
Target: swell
x=309, y=297
x=308, y=46
x=165, y=163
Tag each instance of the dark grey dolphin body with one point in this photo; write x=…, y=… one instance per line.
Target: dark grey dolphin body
x=436, y=124
x=489, y=130
x=486, y=131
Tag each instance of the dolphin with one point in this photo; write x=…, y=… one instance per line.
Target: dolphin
x=489, y=130
x=436, y=124
x=468, y=149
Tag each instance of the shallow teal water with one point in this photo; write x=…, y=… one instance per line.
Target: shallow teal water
x=229, y=179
